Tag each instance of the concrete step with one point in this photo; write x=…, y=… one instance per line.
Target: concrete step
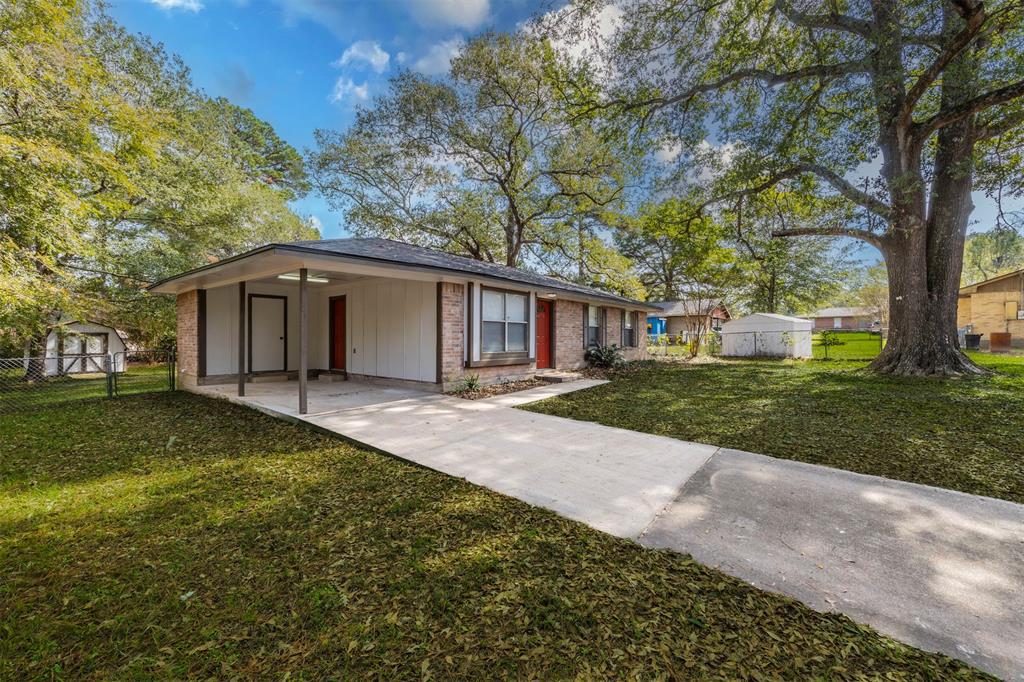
x=559, y=377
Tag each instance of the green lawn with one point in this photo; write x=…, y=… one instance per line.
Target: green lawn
x=961, y=434
x=173, y=536
x=17, y=395
x=856, y=346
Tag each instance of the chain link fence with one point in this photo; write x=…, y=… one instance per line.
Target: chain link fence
x=28, y=383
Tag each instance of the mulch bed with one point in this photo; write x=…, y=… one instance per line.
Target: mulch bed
x=498, y=389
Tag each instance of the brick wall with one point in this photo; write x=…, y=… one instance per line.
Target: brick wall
x=613, y=326
x=639, y=352
x=568, y=334
x=188, y=337
x=453, y=327
x=988, y=311
x=963, y=311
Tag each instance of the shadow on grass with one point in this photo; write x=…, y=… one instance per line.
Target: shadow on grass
x=263, y=549
x=958, y=434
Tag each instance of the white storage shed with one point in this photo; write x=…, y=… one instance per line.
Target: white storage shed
x=83, y=348
x=767, y=335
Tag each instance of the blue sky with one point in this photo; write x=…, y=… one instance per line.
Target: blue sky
x=307, y=64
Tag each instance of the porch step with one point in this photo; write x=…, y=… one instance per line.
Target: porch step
x=559, y=377
x=267, y=377
x=332, y=376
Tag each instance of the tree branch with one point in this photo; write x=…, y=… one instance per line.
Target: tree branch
x=971, y=106
x=832, y=20
x=996, y=128
x=975, y=18
x=863, y=235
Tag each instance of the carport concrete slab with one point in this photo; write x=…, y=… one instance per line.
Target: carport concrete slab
x=941, y=570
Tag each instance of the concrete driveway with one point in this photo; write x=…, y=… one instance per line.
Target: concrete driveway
x=937, y=569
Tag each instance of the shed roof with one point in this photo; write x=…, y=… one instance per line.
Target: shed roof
x=850, y=311
x=767, y=322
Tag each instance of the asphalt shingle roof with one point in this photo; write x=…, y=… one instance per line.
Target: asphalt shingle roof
x=389, y=251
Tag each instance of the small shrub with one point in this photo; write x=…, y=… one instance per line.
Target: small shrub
x=469, y=382
x=604, y=357
x=828, y=339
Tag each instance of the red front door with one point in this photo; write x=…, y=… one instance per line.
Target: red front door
x=544, y=334
x=338, y=332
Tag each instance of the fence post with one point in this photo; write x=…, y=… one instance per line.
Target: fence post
x=110, y=375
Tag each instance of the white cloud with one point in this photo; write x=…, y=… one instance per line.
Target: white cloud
x=439, y=56
x=186, y=5
x=466, y=14
x=587, y=41
x=365, y=51
x=315, y=223
x=668, y=151
x=346, y=89
x=401, y=57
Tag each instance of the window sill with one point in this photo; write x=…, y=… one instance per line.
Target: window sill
x=501, y=360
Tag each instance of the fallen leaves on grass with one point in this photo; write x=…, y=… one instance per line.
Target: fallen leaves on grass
x=303, y=556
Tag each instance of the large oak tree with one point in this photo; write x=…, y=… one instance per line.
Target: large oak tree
x=922, y=93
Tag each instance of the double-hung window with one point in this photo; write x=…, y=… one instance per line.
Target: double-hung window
x=504, y=322
x=628, y=329
x=593, y=327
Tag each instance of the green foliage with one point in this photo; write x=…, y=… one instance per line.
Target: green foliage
x=115, y=171
x=987, y=254
x=833, y=414
x=786, y=275
x=469, y=382
x=853, y=346
x=173, y=536
x=486, y=162
x=827, y=339
x=604, y=357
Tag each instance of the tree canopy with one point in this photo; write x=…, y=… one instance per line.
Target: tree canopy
x=115, y=171
x=487, y=162
x=809, y=95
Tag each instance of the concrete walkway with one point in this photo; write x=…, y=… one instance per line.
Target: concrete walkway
x=937, y=569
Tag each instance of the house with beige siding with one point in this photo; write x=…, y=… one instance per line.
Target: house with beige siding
x=994, y=307
x=386, y=312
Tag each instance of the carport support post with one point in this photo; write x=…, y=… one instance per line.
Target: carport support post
x=241, y=338
x=303, y=338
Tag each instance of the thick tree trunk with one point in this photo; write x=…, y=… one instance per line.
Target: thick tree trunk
x=923, y=289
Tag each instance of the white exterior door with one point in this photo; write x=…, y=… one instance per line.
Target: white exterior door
x=267, y=336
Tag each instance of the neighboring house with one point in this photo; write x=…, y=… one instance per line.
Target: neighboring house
x=381, y=309
x=82, y=347
x=995, y=306
x=679, y=317
x=845, y=319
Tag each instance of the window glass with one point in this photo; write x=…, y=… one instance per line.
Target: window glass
x=515, y=307
x=629, y=320
x=592, y=316
x=493, y=308
x=517, y=336
x=493, y=337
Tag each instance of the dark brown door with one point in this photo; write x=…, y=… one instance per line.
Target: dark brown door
x=544, y=335
x=338, y=332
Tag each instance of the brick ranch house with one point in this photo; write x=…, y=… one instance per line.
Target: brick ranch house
x=994, y=306
x=388, y=312
x=845, y=319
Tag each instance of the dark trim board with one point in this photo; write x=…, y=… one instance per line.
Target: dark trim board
x=440, y=331
x=330, y=333
x=201, y=332
x=284, y=365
